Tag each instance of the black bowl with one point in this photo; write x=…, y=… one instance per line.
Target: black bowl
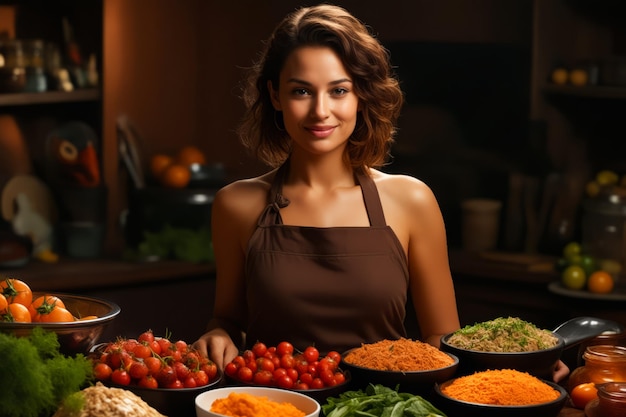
x=454, y=407
x=318, y=394
x=539, y=363
x=77, y=336
x=172, y=402
x=407, y=380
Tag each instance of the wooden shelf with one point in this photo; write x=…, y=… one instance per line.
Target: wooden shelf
x=71, y=275
x=594, y=92
x=51, y=97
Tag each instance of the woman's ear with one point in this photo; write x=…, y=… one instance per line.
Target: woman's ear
x=274, y=96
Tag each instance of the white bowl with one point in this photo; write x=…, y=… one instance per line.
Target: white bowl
x=308, y=405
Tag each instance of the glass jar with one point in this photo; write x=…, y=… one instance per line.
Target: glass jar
x=604, y=229
x=34, y=63
x=12, y=71
x=603, y=363
x=611, y=401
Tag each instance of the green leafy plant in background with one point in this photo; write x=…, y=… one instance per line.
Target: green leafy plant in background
x=174, y=243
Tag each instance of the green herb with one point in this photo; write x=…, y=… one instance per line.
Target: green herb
x=378, y=400
x=175, y=243
x=35, y=377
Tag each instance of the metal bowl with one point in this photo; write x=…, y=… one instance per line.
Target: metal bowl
x=453, y=407
x=77, y=336
x=408, y=380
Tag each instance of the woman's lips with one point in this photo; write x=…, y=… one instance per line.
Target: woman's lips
x=321, y=131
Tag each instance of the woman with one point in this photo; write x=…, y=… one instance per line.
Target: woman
x=325, y=248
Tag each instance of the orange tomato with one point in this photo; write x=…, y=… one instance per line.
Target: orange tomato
x=600, y=282
x=57, y=315
x=583, y=393
x=176, y=176
x=158, y=164
x=3, y=303
x=16, y=291
x=43, y=305
x=189, y=154
x=17, y=313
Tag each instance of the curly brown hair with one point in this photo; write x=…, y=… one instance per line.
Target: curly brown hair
x=365, y=59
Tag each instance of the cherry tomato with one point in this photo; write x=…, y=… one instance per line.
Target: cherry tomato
x=181, y=346
x=340, y=378
x=292, y=373
x=201, y=378
x=334, y=355
x=210, y=368
x=147, y=337
x=262, y=377
x=287, y=361
x=306, y=378
x=16, y=291
x=583, y=393
x=165, y=345
x=265, y=364
x=245, y=374
x=285, y=382
x=284, y=348
x=102, y=371
x=142, y=351
x=138, y=370
x=301, y=386
x=248, y=356
x=311, y=354
x=154, y=365
x=190, y=382
x=120, y=377
x=230, y=369
x=259, y=349
x=166, y=376
x=182, y=371
x=16, y=313
x=317, y=383
x=279, y=373
x=148, y=381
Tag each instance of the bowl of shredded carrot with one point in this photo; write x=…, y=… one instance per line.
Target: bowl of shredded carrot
x=249, y=401
x=500, y=392
x=402, y=361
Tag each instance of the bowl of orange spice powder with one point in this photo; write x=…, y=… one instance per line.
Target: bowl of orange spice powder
x=407, y=362
x=500, y=392
x=249, y=401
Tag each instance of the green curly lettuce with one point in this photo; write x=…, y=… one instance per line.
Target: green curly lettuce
x=35, y=377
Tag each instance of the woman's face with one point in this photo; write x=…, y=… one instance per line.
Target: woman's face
x=317, y=99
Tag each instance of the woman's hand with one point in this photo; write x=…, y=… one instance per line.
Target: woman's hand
x=218, y=346
x=560, y=372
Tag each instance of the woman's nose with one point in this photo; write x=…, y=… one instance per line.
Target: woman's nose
x=320, y=107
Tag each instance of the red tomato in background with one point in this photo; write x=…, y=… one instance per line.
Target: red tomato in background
x=583, y=393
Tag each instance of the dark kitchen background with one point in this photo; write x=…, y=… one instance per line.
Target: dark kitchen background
x=482, y=120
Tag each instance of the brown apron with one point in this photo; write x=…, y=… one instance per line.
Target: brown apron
x=334, y=288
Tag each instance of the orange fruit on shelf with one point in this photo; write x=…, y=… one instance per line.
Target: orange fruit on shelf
x=600, y=282
x=158, y=163
x=190, y=154
x=175, y=176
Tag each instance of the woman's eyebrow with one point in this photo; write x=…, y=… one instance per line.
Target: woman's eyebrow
x=299, y=81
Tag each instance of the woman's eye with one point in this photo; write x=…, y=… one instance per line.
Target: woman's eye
x=340, y=91
x=300, y=91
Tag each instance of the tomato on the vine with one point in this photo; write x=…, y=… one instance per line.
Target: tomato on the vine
x=16, y=291
x=148, y=381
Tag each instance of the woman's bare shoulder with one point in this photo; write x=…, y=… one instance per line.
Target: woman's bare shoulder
x=400, y=187
x=244, y=194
